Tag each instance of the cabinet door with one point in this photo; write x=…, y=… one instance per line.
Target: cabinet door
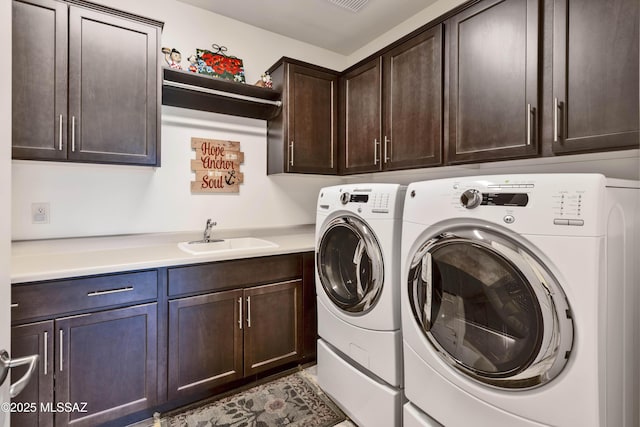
x=205, y=342
x=34, y=338
x=493, y=81
x=39, y=79
x=311, y=118
x=273, y=334
x=595, y=75
x=113, y=88
x=412, y=77
x=361, y=129
x=108, y=360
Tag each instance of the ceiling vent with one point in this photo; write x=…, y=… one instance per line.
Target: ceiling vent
x=352, y=5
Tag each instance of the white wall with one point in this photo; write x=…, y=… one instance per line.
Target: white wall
x=111, y=199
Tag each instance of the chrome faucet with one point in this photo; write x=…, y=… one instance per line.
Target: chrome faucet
x=206, y=237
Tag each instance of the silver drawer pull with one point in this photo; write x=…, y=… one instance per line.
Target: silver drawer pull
x=110, y=291
x=60, y=134
x=46, y=352
x=61, y=350
x=14, y=305
x=248, y=312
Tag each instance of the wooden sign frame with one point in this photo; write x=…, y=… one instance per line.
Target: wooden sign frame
x=217, y=166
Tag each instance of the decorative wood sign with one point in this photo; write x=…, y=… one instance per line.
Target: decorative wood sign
x=217, y=166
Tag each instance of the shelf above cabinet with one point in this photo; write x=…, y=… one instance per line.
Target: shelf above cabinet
x=197, y=92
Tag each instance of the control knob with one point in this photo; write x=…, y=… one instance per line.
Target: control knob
x=471, y=198
x=344, y=198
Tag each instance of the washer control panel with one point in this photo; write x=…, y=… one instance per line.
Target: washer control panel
x=472, y=198
x=566, y=204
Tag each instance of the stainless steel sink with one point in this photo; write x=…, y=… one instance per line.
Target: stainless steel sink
x=216, y=246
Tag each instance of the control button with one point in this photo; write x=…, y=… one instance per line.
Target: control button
x=561, y=221
x=471, y=198
x=509, y=219
x=578, y=222
x=344, y=198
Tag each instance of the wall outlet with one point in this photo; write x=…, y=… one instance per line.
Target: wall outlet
x=40, y=213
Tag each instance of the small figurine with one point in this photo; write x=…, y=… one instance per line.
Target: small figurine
x=265, y=81
x=172, y=57
x=193, y=63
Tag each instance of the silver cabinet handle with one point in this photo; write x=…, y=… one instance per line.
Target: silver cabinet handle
x=240, y=319
x=15, y=305
x=73, y=133
x=386, y=149
x=556, y=118
x=46, y=352
x=248, y=312
x=530, y=111
x=60, y=134
x=7, y=363
x=375, y=151
x=61, y=348
x=426, y=276
x=291, y=154
x=109, y=291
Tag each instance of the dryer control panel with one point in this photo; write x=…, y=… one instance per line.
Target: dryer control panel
x=374, y=200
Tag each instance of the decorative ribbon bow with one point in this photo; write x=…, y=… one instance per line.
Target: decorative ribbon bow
x=219, y=49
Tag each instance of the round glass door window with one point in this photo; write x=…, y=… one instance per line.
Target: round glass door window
x=350, y=265
x=490, y=308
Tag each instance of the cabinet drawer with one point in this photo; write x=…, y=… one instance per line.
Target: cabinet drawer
x=56, y=297
x=233, y=274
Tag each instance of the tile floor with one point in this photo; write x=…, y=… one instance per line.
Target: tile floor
x=312, y=373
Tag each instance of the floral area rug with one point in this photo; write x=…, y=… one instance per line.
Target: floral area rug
x=292, y=401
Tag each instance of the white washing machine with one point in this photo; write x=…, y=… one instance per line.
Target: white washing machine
x=358, y=230
x=519, y=300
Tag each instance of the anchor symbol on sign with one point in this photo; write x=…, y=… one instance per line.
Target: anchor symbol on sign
x=230, y=179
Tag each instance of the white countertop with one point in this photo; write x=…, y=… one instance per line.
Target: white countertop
x=36, y=260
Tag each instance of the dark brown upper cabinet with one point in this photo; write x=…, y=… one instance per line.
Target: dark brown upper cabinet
x=361, y=121
x=595, y=75
x=95, y=100
x=393, y=108
x=412, y=103
x=303, y=137
x=492, y=95
x=39, y=79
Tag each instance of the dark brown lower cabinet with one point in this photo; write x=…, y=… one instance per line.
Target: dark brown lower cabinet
x=114, y=348
x=104, y=364
x=273, y=335
x=224, y=336
x=34, y=338
x=205, y=342
x=107, y=360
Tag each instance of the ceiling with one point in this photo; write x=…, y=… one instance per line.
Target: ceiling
x=320, y=22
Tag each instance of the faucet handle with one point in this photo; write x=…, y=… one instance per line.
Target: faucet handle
x=211, y=223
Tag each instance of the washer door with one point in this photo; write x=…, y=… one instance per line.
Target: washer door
x=490, y=308
x=350, y=265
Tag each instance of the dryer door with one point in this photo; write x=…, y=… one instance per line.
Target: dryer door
x=490, y=308
x=350, y=265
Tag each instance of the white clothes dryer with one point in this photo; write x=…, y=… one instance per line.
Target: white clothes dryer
x=519, y=300
x=358, y=231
